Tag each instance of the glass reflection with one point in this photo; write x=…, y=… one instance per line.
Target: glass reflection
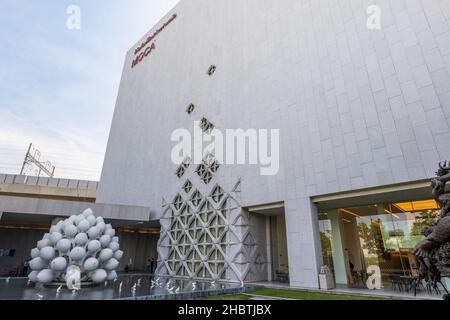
x=382, y=235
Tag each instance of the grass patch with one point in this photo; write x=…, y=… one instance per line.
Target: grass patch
x=295, y=294
x=304, y=295
x=237, y=297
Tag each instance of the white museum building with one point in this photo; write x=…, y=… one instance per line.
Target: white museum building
x=364, y=119
x=363, y=116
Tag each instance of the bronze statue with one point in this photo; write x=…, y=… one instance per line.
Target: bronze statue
x=433, y=253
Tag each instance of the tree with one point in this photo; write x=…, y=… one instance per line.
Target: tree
x=373, y=237
x=327, y=251
x=423, y=220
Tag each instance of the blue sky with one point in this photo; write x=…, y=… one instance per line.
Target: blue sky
x=58, y=86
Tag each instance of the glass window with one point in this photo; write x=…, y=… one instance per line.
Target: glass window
x=382, y=235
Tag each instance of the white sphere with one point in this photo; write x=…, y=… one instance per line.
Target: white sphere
x=55, y=237
x=43, y=243
x=63, y=245
x=112, y=275
x=93, y=233
x=94, y=246
x=55, y=228
x=110, y=232
x=66, y=223
x=92, y=221
x=35, y=253
x=99, y=276
x=105, y=240
x=91, y=264
x=118, y=255
x=70, y=231
x=81, y=239
x=88, y=212
x=33, y=276
x=59, y=264
x=77, y=253
x=37, y=264
x=45, y=276
x=78, y=219
x=84, y=225
x=101, y=226
x=106, y=254
x=47, y=253
x=114, y=246
x=86, y=240
x=112, y=264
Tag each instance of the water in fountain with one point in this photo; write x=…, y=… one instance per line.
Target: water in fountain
x=170, y=290
x=133, y=290
x=17, y=289
x=74, y=294
x=58, y=292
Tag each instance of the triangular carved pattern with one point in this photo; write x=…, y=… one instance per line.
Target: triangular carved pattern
x=207, y=237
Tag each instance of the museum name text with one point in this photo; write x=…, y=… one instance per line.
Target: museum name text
x=149, y=46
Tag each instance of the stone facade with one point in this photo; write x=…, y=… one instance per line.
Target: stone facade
x=357, y=108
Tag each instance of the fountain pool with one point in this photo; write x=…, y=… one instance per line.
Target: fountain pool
x=126, y=287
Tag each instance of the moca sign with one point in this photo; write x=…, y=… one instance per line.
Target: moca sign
x=148, y=46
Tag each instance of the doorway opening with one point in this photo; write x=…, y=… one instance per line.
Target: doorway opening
x=269, y=224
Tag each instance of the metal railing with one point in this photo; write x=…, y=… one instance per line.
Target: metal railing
x=48, y=182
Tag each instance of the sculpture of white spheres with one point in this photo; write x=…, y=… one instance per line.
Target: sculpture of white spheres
x=79, y=249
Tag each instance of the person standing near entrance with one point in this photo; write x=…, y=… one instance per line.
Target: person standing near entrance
x=148, y=266
x=152, y=265
x=26, y=265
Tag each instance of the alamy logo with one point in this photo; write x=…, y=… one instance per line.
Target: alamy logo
x=374, y=280
x=74, y=19
x=231, y=147
x=374, y=19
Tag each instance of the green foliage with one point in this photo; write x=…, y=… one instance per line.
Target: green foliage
x=373, y=237
x=293, y=294
x=327, y=250
x=425, y=219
